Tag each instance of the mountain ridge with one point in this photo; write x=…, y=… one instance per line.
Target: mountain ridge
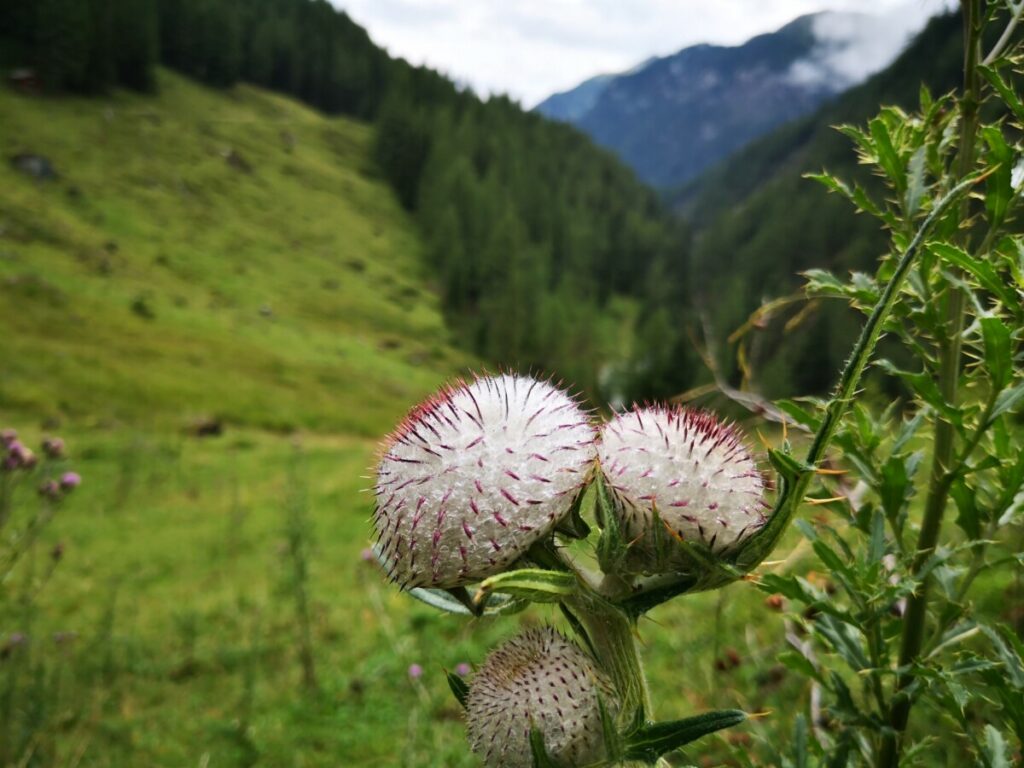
x=675, y=116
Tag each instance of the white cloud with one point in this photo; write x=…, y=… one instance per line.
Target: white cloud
x=532, y=48
x=855, y=45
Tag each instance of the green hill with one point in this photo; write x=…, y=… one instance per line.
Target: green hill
x=208, y=255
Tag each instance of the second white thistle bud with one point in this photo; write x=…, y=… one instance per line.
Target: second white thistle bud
x=538, y=680
x=477, y=474
x=682, y=470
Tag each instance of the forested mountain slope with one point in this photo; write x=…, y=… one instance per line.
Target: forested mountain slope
x=541, y=243
x=758, y=222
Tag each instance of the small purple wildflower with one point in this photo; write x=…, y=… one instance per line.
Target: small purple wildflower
x=366, y=555
x=415, y=671
x=70, y=480
x=462, y=669
x=53, y=447
x=8, y=436
x=50, y=489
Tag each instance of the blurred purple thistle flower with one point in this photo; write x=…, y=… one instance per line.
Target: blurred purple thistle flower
x=366, y=555
x=462, y=669
x=8, y=436
x=50, y=489
x=53, y=447
x=70, y=480
x=415, y=671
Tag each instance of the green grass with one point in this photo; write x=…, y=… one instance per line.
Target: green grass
x=197, y=662
x=155, y=282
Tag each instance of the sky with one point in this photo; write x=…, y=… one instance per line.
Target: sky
x=530, y=49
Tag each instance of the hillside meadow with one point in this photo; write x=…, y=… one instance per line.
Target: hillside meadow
x=212, y=260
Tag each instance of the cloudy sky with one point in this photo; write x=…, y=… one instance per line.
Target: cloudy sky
x=532, y=48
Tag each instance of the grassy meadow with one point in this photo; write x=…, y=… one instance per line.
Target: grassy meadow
x=232, y=259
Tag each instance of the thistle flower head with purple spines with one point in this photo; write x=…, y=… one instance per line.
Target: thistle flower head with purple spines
x=8, y=436
x=691, y=469
x=475, y=475
x=538, y=679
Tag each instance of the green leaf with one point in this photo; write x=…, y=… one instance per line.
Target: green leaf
x=440, y=599
x=611, y=547
x=1005, y=91
x=1009, y=650
x=888, y=158
x=855, y=194
x=612, y=741
x=656, y=739
x=458, y=686
x=578, y=628
x=573, y=525
x=541, y=758
x=1008, y=400
x=998, y=350
x=800, y=741
x=845, y=639
x=894, y=486
x=786, y=465
x=798, y=414
x=968, y=518
x=997, y=752
x=534, y=584
x=925, y=388
x=915, y=184
x=998, y=192
x=800, y=664
x=981, y=269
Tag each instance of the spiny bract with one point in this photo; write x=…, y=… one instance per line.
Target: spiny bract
x=538, y=679
x=477, y=474
x=689, y=468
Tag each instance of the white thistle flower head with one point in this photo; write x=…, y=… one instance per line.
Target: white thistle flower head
x=475, y=475
x=691, y=469
x=538, y=679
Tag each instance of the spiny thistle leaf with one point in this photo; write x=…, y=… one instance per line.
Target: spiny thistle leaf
x=656, y=739
x=459, y=688
x=535, y=584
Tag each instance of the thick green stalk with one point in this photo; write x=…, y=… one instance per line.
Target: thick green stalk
x=949, y=379
x=613, y=636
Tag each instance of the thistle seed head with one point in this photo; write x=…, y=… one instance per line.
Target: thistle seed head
x=691, y=469
x=475, y=475
x=538, y=679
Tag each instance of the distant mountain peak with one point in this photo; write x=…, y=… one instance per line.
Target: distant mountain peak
x=671, y=117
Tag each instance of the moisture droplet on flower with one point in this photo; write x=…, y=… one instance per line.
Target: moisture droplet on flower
x=692, y=469
x=477, y=474
x=538, y=679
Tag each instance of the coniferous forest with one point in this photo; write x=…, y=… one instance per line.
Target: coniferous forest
x=532, y=232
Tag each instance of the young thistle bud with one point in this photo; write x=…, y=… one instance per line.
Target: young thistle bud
x=538, y=680
x=477, y=474
x=680, y=473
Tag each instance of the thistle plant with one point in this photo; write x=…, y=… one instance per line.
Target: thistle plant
x=480, y=491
